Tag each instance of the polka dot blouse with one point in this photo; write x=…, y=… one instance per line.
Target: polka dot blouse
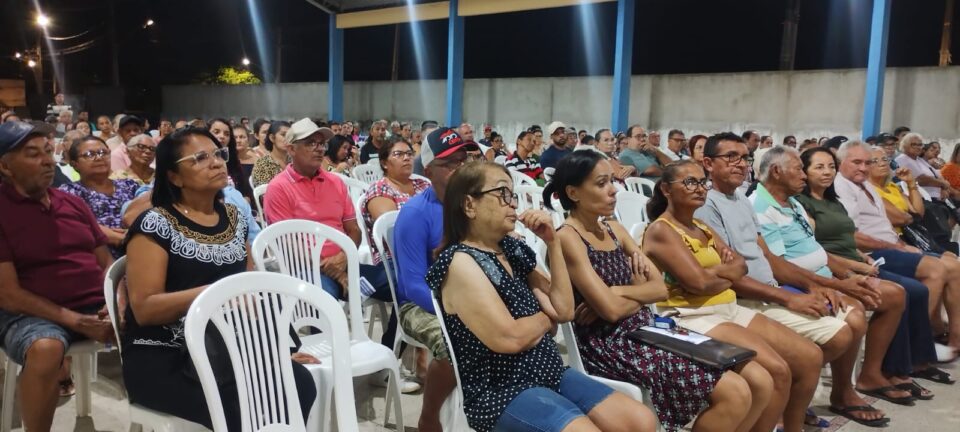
x=492, y=380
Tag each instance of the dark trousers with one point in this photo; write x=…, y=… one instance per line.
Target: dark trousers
x=913, y=342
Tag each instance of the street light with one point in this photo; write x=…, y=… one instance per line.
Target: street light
x=149, y=23
x=42, y=20
x=17, y=55
x=31, y=63
x=246, y=61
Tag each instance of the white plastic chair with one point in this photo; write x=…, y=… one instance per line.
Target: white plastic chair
x=573, y=354
x=641, y=185
x=548, y=173
x=253, y=312
x=147, y=419
x=368, y=172
x=531, y=197
x=923, y=192
x=631, y=209
x=500, y=160
x=355, y=188
x=451, y=413
x=383, y=238
x=258, y=193
x=296, y=244
x=521, y=179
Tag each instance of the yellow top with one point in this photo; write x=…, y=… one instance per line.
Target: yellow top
x=708, y=257
x=892, y=194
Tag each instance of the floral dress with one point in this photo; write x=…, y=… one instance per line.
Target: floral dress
x=680, y=388
x=492, y=380
x=106, y=208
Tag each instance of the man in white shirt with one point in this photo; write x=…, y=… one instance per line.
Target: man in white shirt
x=676, y=141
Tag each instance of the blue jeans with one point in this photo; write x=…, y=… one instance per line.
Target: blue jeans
x=377, y=277
x=540, y=409
x=19, y=332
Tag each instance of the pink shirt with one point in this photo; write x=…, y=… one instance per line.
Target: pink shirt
x=119, y=158
x=323, y=199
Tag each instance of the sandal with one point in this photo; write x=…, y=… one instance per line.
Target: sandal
x=933, y=374
x=811, y=419
x=848, y=411
x=67, y=388
x=881, y=393
x=917, y=390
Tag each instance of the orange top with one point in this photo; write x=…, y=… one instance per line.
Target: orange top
x=951, y=172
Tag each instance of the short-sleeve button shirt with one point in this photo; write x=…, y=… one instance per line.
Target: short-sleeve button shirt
x=866, y=208
x=787, y=232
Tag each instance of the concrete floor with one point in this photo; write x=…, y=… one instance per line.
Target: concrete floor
x=110, y=407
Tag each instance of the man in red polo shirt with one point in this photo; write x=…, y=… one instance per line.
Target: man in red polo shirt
x=52, y=260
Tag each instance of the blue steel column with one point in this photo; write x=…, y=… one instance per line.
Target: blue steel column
x=455, y=66
x=876, y=67
x=335, y=82
x=623, y=65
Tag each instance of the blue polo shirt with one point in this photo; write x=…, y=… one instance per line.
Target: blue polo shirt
x=552, y=155
x=417, y=233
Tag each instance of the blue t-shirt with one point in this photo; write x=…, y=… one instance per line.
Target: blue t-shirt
x=552, y=156
x=416, y=234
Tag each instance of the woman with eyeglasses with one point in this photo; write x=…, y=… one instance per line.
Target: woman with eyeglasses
x=142, y=151
x=497, y=147
x=393, y=190
x=187, y=241
x=274, y=163
x=613, y=283
x=900, y=208
x=699, y=271
x=90, y=157
x=339, y=156
x=246, y=155
x=910, y=342
x=500, y=313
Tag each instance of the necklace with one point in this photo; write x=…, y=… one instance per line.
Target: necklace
x=494, y=252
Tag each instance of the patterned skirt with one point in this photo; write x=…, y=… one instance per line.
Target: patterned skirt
x=680, y=388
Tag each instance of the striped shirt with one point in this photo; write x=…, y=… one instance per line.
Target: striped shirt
x=530, y=166
x=788, y=233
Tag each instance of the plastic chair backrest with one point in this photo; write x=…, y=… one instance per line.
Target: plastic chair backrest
x=631, y=208
x=115, y=274
x=573, y=351
x=296, y=244
x=368, y=172
x=521, y=179
x=383, y=239
x=258, y=193
x=640, y=185
x=500, y=159
x=458, y=392
x=906, y=192
x=253, y=312
x=356, y=188
x=548, y=173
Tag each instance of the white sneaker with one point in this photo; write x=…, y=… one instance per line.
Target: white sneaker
x=945, y=354
x=406, y=384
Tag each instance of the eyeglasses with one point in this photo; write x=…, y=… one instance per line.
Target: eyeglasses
x=878, y=160
x=143, y=148
x=94, y=154
x=681, y=139
x=205, y=158
x=691, y=183
x=507, y=197
x=800, y=220
x=402, y=154
x=313, y=144
x=733, y=158
x=916, y=144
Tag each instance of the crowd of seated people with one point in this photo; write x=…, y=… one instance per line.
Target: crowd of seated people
x=798, y=256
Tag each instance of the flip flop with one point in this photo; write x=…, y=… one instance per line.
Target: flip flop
x=67, y=388
x=916, y=390
x=812, y=419
x=933, y=374
x=881, y=393
x=848, y=410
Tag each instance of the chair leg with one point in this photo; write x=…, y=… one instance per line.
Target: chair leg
x=393, y=388
x=83, y=368
x=9, y=393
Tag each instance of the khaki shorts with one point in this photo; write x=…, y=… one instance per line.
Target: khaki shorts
x=704, y=318
x=819, y=330
x=423, y=327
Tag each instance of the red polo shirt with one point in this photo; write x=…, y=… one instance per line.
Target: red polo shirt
x=52, y=248
x=323, y=198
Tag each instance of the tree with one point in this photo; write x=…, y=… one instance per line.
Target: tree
x=228, y=75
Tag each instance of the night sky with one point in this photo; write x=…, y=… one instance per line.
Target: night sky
x=192, y=37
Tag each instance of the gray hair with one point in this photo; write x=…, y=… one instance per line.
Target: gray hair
x=776, y=156
x=909, y=137
x=850, y=145
x=379, y=122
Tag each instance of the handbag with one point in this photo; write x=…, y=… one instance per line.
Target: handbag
x=711, y=352
x=917, y=235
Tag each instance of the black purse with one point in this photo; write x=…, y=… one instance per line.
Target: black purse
x=918, y=236
x=714, y=353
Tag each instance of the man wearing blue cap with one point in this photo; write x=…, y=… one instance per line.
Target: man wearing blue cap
x=52, y=259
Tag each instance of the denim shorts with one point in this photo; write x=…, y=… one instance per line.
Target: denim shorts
x=540, y=409
x=19, y=332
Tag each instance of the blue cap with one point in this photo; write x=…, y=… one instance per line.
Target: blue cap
x=14, y=133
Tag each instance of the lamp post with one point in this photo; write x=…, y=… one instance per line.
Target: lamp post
x=42, y=22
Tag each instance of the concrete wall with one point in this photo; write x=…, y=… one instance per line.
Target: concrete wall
x=806, y=104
